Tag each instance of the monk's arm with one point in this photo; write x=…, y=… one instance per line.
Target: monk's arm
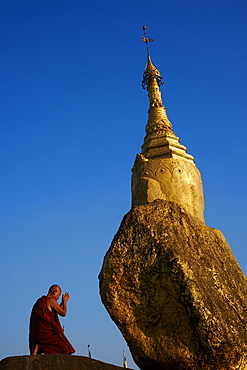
x=62, y=308
x=63, y=304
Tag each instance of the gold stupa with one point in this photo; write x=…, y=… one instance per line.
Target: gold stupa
x=164, y=169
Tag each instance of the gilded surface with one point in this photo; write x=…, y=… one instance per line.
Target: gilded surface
x=172, y=179
x=164, y=169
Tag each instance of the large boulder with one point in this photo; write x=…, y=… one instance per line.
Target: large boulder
x=54, y=362
x=176, y=292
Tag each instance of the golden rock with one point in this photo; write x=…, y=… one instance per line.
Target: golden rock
x=174, y=289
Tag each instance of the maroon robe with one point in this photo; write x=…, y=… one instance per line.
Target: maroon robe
x=45, y=330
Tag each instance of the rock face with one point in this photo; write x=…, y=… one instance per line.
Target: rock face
x=176, y=292
x=54, y=362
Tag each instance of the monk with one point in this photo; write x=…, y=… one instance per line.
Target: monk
x=45, y=332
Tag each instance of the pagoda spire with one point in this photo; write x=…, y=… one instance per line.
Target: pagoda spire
x=164, y=169
x=160, y=139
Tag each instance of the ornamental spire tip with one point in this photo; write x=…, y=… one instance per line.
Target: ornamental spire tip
x=150, y=71
x=146, y=39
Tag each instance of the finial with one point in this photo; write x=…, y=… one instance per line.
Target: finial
x=151, y=71
x=145, y=39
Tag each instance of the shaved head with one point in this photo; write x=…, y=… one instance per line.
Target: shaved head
x=54, y=288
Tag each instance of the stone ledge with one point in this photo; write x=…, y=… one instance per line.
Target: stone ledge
x=54, y=362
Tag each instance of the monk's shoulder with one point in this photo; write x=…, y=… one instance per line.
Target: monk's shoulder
x=42, y=299
x=51, y=303
x=41, y=302
x=50, y=299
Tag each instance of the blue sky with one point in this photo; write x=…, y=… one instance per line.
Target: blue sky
x=72, y=118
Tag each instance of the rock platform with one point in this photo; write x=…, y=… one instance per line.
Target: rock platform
x=54, y=362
